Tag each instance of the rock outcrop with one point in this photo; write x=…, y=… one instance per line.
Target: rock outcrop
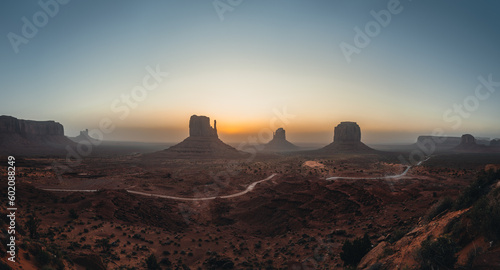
x=29, y=128
x=469, y=144
x=199, y=126
x=346, y=139
x=279, y=143
x=468, y=139
x=27, y=137
x=84, y=137
x=203, y=142
x=347, y=132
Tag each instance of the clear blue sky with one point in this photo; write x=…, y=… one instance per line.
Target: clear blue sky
x=262, y=57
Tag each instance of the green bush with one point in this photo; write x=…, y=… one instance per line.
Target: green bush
x=352, y=253
x=438, y=254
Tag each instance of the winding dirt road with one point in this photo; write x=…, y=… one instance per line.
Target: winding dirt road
x=248, y=189
x=380, y=177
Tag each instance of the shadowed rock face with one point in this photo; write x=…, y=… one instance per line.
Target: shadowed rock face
x=199, y=126
x=469, y=144
x=279, y=142
x=279, y=134
x=9, y=124
x=27, y=137
x=347, y=132
x=468, y=139
x=202, y=142
x=346, y=139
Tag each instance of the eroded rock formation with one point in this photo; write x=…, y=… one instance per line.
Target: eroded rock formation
x=203, y=142
x=12, y=125
x=279, y=142
x=27, y=137
x=469, y=144
x=199, y=126
x=346, y=139
x=347, y=132
x=468, y=139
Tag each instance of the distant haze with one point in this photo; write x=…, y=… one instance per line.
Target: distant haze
x=265, y=56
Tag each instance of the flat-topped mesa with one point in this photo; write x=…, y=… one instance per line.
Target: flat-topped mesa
x=28, y=137
x=12, y=125
x=346, y=139
x=199, y=126
x=347, y=132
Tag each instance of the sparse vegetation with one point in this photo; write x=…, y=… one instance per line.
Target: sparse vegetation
x=353, y=252
x=440, y=207
x=437, y=254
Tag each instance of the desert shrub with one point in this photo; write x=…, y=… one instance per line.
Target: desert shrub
x=480, y=187
x=42, y=257
x=396, y=235
x=440, y=207
x=73, y=214
x=218, y=262
x=438, y=254
x=352, y=253
x=152, y=263
x=4, y=266
x=32, y=224
x=485, y=217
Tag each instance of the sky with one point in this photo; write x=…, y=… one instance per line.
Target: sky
x=398, y=68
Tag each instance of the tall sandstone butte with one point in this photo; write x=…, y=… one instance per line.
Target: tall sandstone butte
x=279, y=142
x=199, y=126
x=347, y=132
x=203, y=142
x=346, y=139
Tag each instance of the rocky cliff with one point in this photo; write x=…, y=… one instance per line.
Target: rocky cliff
x=199, y=126
x=203, y=142
x=469, y=144
x=346, y=139
x=27, y=137
x=11, y=125
x=279, y=142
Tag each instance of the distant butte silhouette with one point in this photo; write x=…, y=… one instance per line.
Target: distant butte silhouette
x=203, y=142
x=469, y=144
x=346, y=139
x=28, y=137
x=279, y=143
